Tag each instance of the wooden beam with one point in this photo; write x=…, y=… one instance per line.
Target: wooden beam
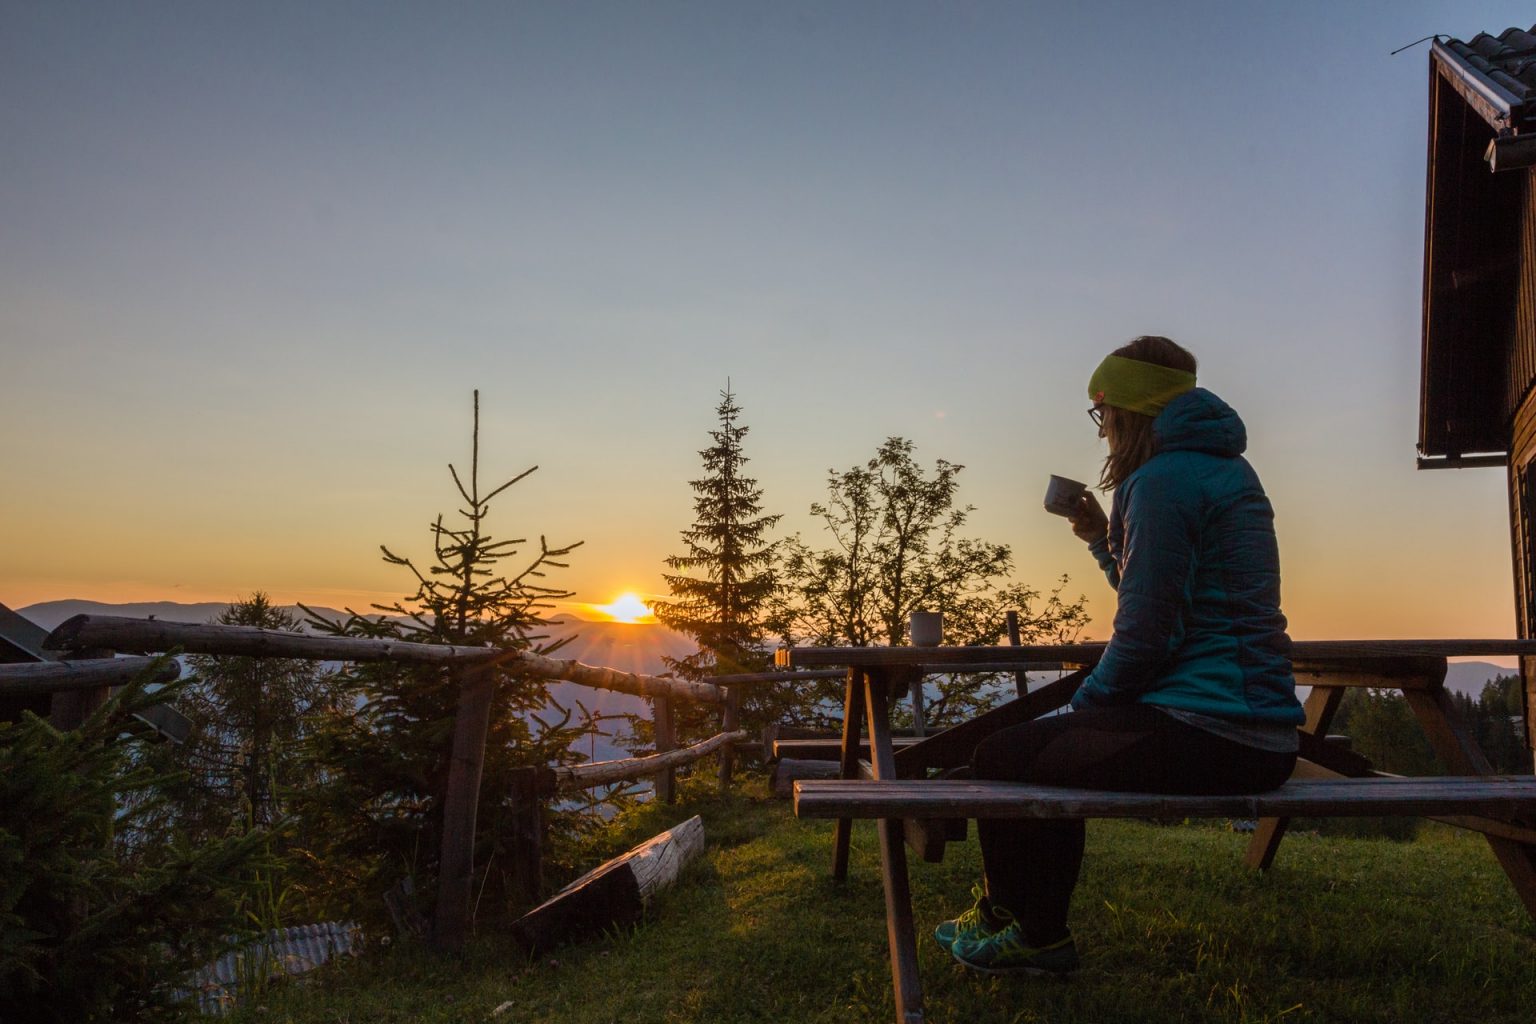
x=1322, y=704
x=142, y=635
x=69, y=708
x=600, y=773
x=456, y=862
x=1494, y=795
x=39, y=677
x=664, y=724
x=730, y=718
x=153, y=635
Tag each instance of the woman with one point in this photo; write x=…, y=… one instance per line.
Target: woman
x=1194, y=693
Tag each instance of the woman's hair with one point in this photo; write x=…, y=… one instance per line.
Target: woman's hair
x=1130, y=433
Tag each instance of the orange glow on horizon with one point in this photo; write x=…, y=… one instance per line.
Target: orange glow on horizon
x=627, y=607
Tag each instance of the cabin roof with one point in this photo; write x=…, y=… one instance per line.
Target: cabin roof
x=21, y=639
x=1480, y=91
x=1501, y=69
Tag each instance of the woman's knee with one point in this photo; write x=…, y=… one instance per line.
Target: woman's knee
x=1007, y=755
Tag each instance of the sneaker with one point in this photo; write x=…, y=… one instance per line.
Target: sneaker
x=1004, y=951
x=969, y=924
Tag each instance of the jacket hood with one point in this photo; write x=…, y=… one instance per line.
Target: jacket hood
x=1198, y=421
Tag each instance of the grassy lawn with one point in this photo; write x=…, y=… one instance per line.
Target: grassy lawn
x=1171, y=926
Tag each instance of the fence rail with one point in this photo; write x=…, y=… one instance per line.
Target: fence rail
x=601, y=773
x=35, y=678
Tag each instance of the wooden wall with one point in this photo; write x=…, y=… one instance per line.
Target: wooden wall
x=1522, y=518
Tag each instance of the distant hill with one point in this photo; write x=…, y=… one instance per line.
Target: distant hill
x=1469, y=677
x=50, y=614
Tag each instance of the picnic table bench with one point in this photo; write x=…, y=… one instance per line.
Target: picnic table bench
x=893, y=785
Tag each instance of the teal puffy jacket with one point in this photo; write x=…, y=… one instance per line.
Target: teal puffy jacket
x=1192, y=556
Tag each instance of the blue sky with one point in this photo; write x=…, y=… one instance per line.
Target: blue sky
x=253, y=259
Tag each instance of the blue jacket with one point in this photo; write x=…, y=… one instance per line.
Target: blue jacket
x=1192, y=556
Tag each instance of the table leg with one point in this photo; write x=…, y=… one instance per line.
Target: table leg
x=1322, y=704
x=1455, y=745
x=853, y=712
x=899, y=930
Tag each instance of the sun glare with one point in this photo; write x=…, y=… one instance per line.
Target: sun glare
x=627, y=608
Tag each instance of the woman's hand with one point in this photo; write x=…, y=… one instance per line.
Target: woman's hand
x=1089, y=521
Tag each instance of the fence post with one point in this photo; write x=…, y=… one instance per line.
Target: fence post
x=1020, y=678
x=729, y=720
x=665, y=727
x=456, y=863
x=919, y=713
x=527, y=839
x=68, y=709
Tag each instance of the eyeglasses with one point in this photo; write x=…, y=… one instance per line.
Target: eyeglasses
x=1097, y=415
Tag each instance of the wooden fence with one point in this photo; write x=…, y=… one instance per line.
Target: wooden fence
x=93, y=646
x=92, y=666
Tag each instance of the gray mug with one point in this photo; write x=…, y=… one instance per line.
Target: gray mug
x=1063, y=497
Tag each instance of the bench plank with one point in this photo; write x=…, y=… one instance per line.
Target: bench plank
x=1495, y=795
x=829, y=749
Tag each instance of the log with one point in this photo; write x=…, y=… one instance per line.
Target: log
x=613, y=679
x=125, y=634
x=614, y=894
x=37, y=677
x=788, y=769
x=600, y=773
x=143, y=635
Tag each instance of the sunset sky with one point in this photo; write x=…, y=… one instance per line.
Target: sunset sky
x=254, y=258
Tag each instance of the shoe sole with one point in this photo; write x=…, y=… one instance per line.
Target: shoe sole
x=1034, y=972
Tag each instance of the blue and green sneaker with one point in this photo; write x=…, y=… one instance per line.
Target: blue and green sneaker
x=1003, y=951
x=969, y=924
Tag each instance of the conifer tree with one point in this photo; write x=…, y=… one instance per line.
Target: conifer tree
x=722, y=583
x=91, y=930
x=375, y=815
x=250, y=717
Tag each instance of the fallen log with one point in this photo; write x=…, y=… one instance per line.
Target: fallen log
x=613, y=894
x=788, y=769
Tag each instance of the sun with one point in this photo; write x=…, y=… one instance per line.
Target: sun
x=627, y=608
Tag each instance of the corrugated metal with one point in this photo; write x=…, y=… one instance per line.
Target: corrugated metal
x=284, y=951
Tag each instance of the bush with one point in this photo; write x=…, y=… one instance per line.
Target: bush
x=92, y=926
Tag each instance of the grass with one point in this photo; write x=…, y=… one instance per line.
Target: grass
x=1171, y=925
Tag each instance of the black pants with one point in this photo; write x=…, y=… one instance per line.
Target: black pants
x=1031, y=864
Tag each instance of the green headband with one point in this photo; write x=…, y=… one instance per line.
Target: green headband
x=1137, y=386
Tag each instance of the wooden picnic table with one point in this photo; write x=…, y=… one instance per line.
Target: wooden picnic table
x=876, y=675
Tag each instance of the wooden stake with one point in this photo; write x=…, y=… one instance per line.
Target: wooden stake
x=666, y=740
x=456, y=864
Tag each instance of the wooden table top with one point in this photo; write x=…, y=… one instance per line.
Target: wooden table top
x=1089, y=653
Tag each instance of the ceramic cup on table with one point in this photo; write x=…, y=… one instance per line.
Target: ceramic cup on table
x=926, y=628
x=1063, y=496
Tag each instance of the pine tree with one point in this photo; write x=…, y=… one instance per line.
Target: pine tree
x=250, y=718
x=91, y=930
x=375, y=815
x=722, y=584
